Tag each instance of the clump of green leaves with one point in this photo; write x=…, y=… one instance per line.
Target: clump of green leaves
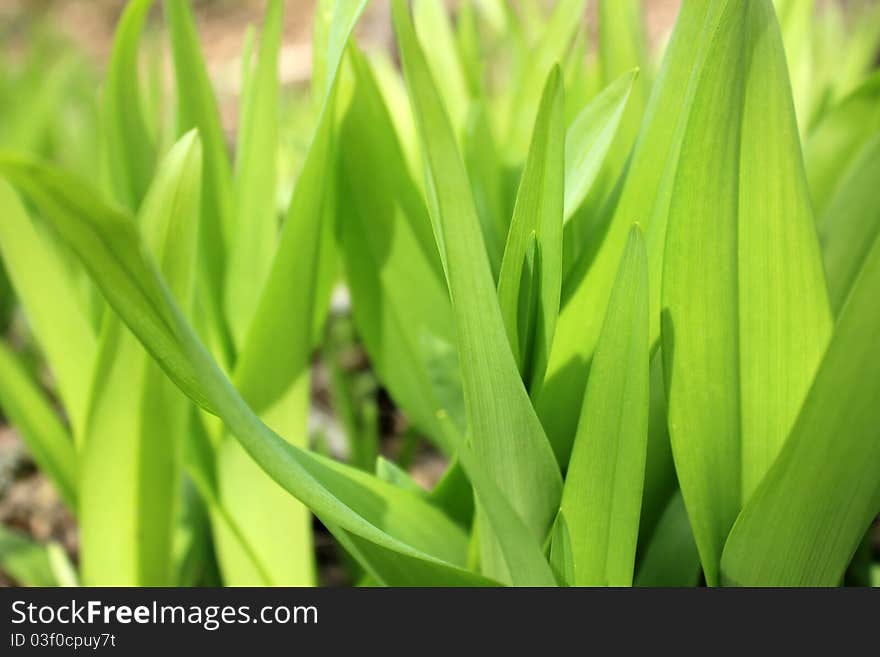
x=633, y=302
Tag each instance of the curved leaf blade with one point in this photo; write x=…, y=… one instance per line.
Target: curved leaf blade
x=129, y=468
x=108, y=244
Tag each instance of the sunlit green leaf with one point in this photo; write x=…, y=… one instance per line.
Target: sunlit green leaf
x=537, y=222
x=755, y=287
x=805, y=521
x=602, y=495
x=508, y=439
x=47, y=294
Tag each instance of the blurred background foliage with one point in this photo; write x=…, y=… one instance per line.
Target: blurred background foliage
x=53, y=55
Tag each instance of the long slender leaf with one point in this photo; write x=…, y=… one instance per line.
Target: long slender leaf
x=601, y=499
x=256, y=219
x=197, y=108
x=644, y=197
x=394, y=274
x=523, y=558
x=272, y=372
x=131, y=153
x=434, y=30
x=384, y=517
x=508, y=439
x=129, y=471
x=796, y=21
x=550, y=50
x=47, y=294
x=530, y=299
x=755, y=285
x=622, y=47
x=589, y=139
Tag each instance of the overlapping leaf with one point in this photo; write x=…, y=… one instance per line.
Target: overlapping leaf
x=531, y=271
x=602, y=496
x=128, y=475
x=256, y=218
x=745, y=313
x=393, y=270
x=107, y=243
x=805, y=521
x=130, y=152
x=644, y=197
x=508, y=439
x=49, y=300
x=851, y=223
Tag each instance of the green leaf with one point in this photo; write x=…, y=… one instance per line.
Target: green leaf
x=108, y=244
x=796, y=22
x=338, y=25
x=487, y=176
x=805, y=521
x=434, y=30
x=278, y=343
x=49, y=299
x=508, y=439
x=671, y=558
x=88, y=225
x=130, y=151
x=393, y=89
x=129, y=471
x=537, y=221
x=469, y=39
x=643, y=196
x=521, y=552
x=197, y=108
x=851, y=223
x=199, y=459
x=660, y=478
x=602, y=495
x=555, y=40
x=835, y=143
x=398, y=292
x=320, y=82
x=561, y=552
x=255, y=223
x=622, y=47
x=742, y=263
x=392, y=473
x=454, y=494
x=272, y=372
x=27, y=408
x=589, y=139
